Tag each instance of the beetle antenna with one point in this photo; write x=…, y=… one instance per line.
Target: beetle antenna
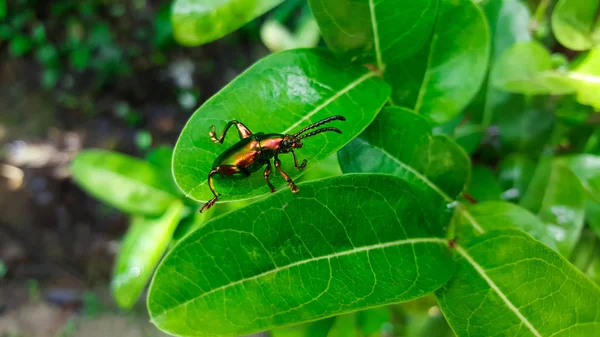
x=316, y=132
x=319, y=123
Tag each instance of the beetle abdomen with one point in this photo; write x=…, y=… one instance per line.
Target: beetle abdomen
x=242, y=154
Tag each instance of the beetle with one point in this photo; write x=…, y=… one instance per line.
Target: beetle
x=254, y=150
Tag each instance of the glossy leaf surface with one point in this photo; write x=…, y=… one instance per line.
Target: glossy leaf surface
x=575, y=24
x=509, y=23
x=560, y=208
x=586, y=79
x=292, y=258
x=498, y=215
x=587, y=169
x=523, y=289
x=440, y=79
x=143, y=246
x=124, y=182
x=280, y=94
x=399, y=142
x=375, y=31
x=200, y=21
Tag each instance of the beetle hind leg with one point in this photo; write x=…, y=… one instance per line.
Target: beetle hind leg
x=212, y=201
x=243, y=131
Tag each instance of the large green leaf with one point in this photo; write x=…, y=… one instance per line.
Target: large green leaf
x=200, y=21
x=558, y=198
x=527, y=68
x=509, y=23
x=127, y=183
x=399, y=142
x=375, y=31
x=585, y=78
x=292, y=258
x=512, y=285
x=497, y=215
x=441, y=78
x=587, y=169
x=280, y=94
x=575, y=24
x=143, y=246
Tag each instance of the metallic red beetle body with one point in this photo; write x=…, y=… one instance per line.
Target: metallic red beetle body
x=254, y=151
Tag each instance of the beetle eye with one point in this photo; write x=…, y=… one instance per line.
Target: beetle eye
x=286, y=143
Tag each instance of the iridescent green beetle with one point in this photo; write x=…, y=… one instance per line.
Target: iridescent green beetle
x=253, y=151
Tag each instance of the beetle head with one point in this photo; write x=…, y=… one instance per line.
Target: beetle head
x=288, y=143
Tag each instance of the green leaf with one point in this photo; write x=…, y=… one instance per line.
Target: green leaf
x=288, y=259
x=432, y=80
x=575, y=25
x=196, y=22
x=562, y=209
x=587, y=168
x=280, y=94
x=375, y=31
x=399, y=142
x=124, y=182
x=514, y=176
x=483, y=185
x=20, y=45
x=511, y=284
x=585, y=78
x=2, y=9
x=592, y=216
x=498, y=215
x=586, y=250
x=509, y=23
x=143, y=246
x=527, y=68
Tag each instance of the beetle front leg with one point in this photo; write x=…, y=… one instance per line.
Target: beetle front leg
x=302, y=166
x=212, y=201
x=243, y=132
x=287, y=178
x=267, y=174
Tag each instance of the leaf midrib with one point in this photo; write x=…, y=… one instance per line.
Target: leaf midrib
x=331, y=99
x=314, y=259
x=429, y=183
x=494, y=287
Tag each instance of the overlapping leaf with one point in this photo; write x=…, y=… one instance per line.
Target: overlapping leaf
x=523, y=289
x=375, y=31
x=280, y=94
x=440, y=79
x=342, y=244
x=399, y=142
x=562, y=209
x=127, y=183
x=576, y=25
x=200, y=21
x=143, y=246
x=498, y=215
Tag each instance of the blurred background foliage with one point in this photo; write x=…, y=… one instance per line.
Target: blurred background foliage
x=109, y=74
